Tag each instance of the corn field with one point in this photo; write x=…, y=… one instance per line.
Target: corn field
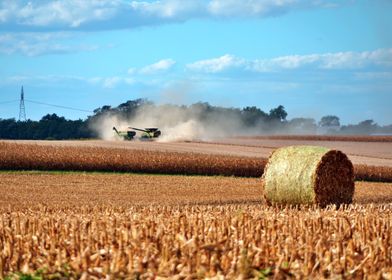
x=373, y=173
x=345, y=138
x=94, y=225
x=194, y=242
x=36, y=157
x=78, y=225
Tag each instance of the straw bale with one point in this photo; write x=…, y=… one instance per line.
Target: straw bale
x=308, y=175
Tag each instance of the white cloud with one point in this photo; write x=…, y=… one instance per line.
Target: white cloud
x=132, y=71
x=170, y=9
x=45, y=15
x=108, y=82
x=283, y=62
x=34, y=44
x=61, y=14
x=356, y=60
x=160, y=66
x=216, y=65
x=386, y=76
x=252, y=7
x=111, y=82
x=381, y=58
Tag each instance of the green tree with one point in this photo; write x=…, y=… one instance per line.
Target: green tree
x=329, y=121
x=253, y=115
x=306, y=125
x=278, y=113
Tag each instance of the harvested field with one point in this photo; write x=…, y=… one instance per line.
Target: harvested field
x=68, y=190
x=366, y=153
x=77, y=225
x=21, y=190
x=333, y=138
x=47, y=157
x=235, y=241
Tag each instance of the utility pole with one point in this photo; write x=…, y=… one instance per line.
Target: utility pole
x=22, y=111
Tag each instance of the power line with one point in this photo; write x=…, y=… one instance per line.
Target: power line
x=59, y=106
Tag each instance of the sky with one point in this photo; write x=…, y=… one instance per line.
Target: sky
x=314, y=57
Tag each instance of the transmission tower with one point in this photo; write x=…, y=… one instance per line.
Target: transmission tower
x=22, y=111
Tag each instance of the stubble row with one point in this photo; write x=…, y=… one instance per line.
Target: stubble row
x=236, y=241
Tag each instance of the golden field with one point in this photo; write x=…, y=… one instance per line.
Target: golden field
x=62, y=224
x=22, y=156
x=126, y=226
x=21, y=190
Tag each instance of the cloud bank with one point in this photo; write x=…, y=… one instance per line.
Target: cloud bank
x=36, y=44
x=95, y=15
x=373, y=65
x=381, y=58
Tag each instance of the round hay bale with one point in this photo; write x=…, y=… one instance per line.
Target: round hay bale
x=308, y=175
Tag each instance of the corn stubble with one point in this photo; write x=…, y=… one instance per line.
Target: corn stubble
x=94, y=241
x=235, y=241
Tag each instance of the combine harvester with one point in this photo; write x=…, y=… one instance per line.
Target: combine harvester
x=147, y=133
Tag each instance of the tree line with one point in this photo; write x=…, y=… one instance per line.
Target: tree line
x=275, y=121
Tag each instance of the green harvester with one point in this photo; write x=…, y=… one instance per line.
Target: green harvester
x=147, y=133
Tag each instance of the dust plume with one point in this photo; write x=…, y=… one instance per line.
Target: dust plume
x=177, y=123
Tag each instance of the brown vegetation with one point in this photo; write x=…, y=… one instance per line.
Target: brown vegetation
x=74, y=158
x=236, y=241
x=369, y=153
x=348, y=138
x=36, y=157
x=373, y=173
x=21, y=190
x=80, y=225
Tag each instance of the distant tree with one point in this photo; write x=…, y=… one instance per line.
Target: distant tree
x=52, y=126
x=329, y=121
x=202, y=109
x=253, y=115
x=103, y=109
x=302, y=125
x=279, y=113
x=387, y=129
x=365, y=127
x=133, y=104
x=53, y=118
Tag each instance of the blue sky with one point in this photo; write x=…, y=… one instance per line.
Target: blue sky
x=315, y=57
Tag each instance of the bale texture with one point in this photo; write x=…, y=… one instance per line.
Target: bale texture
x=308, y=175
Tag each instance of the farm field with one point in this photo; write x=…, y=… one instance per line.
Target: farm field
x=93, y=225
x=149, y=226
x=375, y=151
x=21, y=190
x=22, y=156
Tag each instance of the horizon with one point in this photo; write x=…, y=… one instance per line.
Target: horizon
x=91, y=113
x=315, y=58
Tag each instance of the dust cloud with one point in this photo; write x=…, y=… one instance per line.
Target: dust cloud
x=177, y=123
